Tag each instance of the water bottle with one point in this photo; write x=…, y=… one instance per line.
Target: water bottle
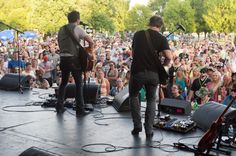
x=231, y=130
x=195, y=105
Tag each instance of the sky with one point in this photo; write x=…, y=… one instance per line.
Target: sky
x=133, y=2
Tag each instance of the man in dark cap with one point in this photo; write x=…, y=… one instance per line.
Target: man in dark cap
x=144, y=73
x=197, y=84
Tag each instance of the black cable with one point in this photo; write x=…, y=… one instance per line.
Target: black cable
x=42, y=96
x=6, y=128
x=70, y=112
x=112, y=148
x=29, y=104
x=35, y=92
x=111, y=118
x=101, y=116
x=191, y=137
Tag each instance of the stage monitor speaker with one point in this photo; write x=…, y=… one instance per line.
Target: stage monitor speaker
x=175, y=106
x=90, y=92
x=206, y=114
x=35, y=151
x=121, y=100
x=10, y=82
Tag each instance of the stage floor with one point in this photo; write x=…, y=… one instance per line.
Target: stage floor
x=23, y=125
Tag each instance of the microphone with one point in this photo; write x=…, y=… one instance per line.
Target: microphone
x=179, y=26
x=82, y=23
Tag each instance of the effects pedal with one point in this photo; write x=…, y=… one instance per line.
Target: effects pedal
x=50, y=102
x=174, y=124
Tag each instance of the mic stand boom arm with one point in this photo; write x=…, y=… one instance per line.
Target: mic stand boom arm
x=179, y=26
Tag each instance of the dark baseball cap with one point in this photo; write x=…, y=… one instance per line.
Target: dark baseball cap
x=203, y=70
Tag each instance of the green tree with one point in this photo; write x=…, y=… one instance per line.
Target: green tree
x=200, y=9
x=121, y=8
x=179, y=11
x=49, y=15
x=157, y=6
x=138, y=17
x=15, y=13
x=101, y=22
x=111, y=13
x=220, y=15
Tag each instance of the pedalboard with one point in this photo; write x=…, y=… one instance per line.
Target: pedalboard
x=174, y=124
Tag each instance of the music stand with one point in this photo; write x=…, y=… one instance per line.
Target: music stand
x=18, y=53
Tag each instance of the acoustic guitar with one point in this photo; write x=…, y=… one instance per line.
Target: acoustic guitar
x=207, y=141
x=91, y=59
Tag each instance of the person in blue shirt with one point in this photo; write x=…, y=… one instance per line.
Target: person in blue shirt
x=15, y=64
x=119, y=87
x=230, y=97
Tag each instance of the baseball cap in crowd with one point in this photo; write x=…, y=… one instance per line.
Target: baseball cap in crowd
x=203, y=70
x=233, y=88
x=45, y=58
x=210, y=69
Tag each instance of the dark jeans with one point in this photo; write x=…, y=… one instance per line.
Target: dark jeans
x=54, y=75
x=77, y=74
x=49, y=81
x=149, y=80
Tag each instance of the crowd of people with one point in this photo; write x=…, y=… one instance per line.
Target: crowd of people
x=202, y=70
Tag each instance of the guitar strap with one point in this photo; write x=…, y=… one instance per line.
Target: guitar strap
x=76, y=42
x=163, y=76
x=151, y=47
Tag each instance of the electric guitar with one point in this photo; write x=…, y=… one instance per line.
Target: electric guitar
x=207, y=141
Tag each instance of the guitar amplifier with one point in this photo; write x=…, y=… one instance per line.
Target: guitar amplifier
x=175, y=106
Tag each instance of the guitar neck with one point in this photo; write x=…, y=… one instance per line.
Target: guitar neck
x=226, y=109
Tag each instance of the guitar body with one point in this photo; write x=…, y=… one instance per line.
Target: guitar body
x=91, y=59
x=208, y=138
x=86, y=59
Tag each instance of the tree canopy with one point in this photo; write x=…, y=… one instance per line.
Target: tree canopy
x=177, y=11
x=116, y=16
x=220, y=15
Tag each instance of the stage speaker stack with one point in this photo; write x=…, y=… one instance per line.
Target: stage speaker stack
x=206, y=114
x=90, y=92
x=10, y=82
x=121, y=100
x=175, y=106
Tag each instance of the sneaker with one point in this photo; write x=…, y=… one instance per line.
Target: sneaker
x=60, y=109
x=149, y=135
x=82, y=113
x=54, y=85
x=136, y=131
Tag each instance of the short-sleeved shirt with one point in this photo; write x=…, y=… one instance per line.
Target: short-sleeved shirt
x=66, y=44
x=197, y=84
x=46, y=65
x=143, y=58
x=15, y=63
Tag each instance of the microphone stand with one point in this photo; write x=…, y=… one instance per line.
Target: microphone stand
x=178, y=27
x=18, y=53
x=159, y=102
